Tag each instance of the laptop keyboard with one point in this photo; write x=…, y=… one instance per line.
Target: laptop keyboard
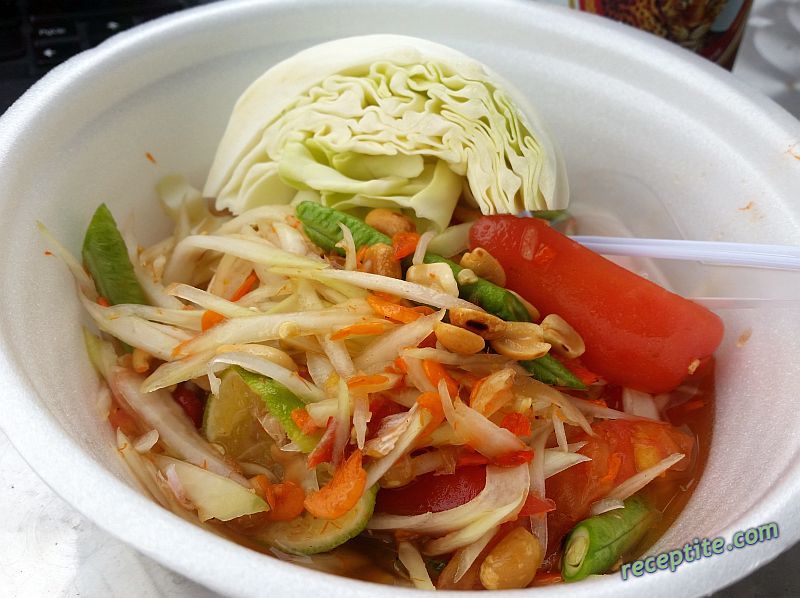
x=36, y=35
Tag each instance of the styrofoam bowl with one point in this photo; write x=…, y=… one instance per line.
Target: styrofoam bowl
x=657, y=142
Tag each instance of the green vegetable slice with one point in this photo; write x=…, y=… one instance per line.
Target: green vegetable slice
x=322, y=227
x=106, y=258
x=309, y=535
x=551, y=371
x=595, y=544
x=280, y=403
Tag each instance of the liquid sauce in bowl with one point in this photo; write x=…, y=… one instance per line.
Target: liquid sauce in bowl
x=689, y=407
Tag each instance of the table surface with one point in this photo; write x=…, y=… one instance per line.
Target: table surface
x=47, y=548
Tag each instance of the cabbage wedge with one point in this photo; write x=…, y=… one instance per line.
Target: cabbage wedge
x=386, y=121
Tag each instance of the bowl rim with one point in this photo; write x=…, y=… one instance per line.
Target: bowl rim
x=27, y=420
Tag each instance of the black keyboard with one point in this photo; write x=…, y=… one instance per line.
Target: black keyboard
x=36, y=35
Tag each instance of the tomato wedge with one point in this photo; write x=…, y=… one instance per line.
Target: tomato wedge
x=617, y=451
x=433, y=493
x=637, y=334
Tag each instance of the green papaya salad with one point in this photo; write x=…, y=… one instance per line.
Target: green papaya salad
x=351, y=353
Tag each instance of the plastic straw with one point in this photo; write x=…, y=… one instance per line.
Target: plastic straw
x=785, y=257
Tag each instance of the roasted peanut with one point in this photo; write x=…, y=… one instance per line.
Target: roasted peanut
x=379, y=259
x=466, y=276
x=140, y=360
x=435, y=276
x=521, y=340
x=513, y=563
x=389, y=222
x=493, y=392
x=458, y=340
x=481, y=323
x=563, y=337
x=484, y=264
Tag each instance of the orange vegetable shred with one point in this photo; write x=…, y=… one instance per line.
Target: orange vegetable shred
x=342, y=493
x=368, y=329
x=210, y=319
x=404, y=244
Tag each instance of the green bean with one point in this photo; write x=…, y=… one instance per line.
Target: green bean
x=106, y=258
x=596, y=544
x=280, y=402
x=551, y=371
x=322, y=227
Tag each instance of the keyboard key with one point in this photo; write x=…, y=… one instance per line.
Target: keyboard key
x=12, y=45
x=55, y=52
x=45, y=30
x=102, y=28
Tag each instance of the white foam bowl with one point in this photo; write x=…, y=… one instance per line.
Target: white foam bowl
x=663, y=142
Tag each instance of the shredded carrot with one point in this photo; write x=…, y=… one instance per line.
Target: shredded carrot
x=516, y=423
x=342, y=493
x=404, y=244
x=399, y=366
x=431, y=402
x=103, y=301
x=359, y=382
x=245, y=287
x=210, y=319
x=392, y=311
x=179, y=348
x=263, y=488
x=387, y=297
x=424, y=310
x=367, y=329
x=435, y=372
x=303, y=420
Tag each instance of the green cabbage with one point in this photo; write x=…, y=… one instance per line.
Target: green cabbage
x=386, y=121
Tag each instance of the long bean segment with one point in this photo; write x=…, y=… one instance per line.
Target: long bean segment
x=596, y=544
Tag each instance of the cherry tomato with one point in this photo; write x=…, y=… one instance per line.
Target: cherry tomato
x=637, y=334
x=433, y=493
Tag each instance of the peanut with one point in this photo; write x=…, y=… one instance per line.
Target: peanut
x=484, y=264
x=389, y=222
x=435, y=276
x=458, y=340
x=379, y=259
x=481, y=323
x=513, y=563
x=521, y=340
x=563, y=337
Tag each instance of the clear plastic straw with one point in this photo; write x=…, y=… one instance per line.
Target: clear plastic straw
x=786, y=257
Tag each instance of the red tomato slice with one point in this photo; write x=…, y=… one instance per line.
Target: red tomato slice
x=637, y=334
x=433, y=493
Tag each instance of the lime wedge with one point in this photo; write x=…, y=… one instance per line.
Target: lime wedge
x=231, y=421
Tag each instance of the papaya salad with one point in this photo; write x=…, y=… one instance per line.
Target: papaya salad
x=352, y=353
